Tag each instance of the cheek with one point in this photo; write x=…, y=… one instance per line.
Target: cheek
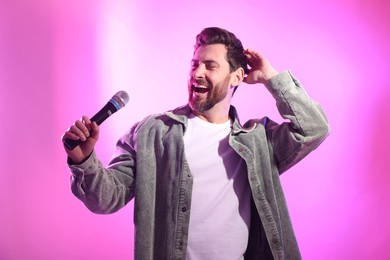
x=213, y=79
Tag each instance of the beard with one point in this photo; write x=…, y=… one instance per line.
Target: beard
x=214, y=95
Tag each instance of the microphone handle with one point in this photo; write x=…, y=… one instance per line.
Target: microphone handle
x=99, y=118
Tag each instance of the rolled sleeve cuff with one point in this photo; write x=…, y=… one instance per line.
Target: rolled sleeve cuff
x=281, y=83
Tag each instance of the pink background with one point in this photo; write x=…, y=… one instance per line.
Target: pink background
x=62, y=59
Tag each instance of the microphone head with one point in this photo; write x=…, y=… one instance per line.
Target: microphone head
x=120, y=99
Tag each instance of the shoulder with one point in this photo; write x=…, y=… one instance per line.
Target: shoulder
x=177, y=115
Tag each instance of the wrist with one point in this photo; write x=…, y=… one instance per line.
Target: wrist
x=77, y=160
x=270, y=74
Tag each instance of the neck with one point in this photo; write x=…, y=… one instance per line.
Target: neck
x=215, y=115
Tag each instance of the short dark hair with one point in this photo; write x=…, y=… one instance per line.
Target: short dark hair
x=235, y=50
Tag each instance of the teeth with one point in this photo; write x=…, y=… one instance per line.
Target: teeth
x=200, y=89
x=199, y=86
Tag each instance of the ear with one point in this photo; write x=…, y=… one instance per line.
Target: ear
x=238, y=77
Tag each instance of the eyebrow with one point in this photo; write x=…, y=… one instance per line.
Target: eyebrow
x=207, y=62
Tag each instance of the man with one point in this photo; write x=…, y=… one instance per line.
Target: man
x=206, y=187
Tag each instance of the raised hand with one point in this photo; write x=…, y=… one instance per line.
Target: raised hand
x=261, y=69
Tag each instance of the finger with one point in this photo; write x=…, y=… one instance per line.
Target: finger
x=254, y=53
x=69, y=135
x=252, y=61
x=81, y=127
x=251, y=52
x=253, y=57
x=86, y=120
x=80, y=130
x=94, y=130
x=248, y=53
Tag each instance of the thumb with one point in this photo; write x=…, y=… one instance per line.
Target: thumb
x=94, y=131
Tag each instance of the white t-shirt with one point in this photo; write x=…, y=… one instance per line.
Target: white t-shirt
x=220, y=206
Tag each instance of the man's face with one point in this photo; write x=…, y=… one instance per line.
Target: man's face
x=210, y=78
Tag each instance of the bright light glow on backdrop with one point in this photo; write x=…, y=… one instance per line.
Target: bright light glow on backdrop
x=62, y=59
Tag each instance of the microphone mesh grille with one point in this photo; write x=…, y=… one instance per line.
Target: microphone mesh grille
x=121, y=98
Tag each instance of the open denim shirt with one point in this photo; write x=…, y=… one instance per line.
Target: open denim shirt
x=150, y=166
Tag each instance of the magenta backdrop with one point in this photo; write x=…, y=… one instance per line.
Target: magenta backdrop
x=62, y=59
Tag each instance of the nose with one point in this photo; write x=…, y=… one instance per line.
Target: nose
x=198, y=72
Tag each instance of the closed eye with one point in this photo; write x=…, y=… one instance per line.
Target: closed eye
x=194, y=64
x=211, y=65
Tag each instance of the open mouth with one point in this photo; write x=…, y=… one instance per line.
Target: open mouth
x=200, y=88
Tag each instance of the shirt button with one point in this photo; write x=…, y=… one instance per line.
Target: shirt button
x=184, y=209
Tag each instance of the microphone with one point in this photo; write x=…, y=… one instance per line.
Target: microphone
x=118, y=101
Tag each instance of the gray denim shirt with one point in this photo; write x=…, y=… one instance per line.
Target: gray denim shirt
x=150, y=166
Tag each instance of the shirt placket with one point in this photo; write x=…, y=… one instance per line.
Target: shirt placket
x=183, y=213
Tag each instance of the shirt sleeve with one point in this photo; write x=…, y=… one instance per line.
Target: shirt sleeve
x=105, y=190
x=306, y=126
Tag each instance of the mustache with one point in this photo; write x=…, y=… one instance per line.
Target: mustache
x=200, y=82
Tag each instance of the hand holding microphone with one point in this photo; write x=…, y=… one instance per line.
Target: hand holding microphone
x=80, y=139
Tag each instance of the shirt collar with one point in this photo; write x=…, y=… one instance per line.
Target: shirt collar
x=182, y=113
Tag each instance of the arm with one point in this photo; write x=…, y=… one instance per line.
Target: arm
x=102, y=190
x=307, y=124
